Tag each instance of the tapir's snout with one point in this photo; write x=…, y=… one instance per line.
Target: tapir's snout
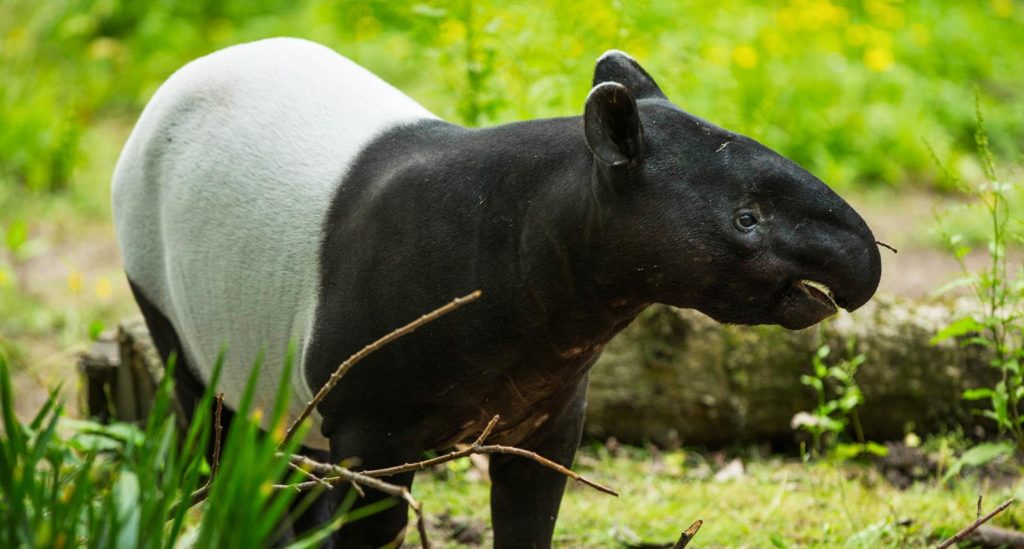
x=845, y=256
x=860, y=272
x=831, y=255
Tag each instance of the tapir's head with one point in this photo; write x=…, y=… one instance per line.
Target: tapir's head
x=709, y=219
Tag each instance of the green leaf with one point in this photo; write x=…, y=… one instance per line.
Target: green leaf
x=959, y=328
x=958, y=283
x=985, y=452
x=977, y=394
x=812, y=381
x=126, y=501
x=17, y=235
x=95, y=329
x=877, y=449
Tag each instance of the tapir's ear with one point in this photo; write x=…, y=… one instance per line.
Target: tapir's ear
x=612, y=125
x=616, y=66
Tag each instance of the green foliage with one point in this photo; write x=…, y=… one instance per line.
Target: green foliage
x=80, y=483
x=998, y=291
x=977, y=456
x=845, y=88
x=838, y=398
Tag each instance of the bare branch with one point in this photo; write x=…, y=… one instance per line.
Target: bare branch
x=311, y=476
x=368, y=350
x=201, y=494
x=217, y=430
x=427, y=463
x=478, y=448
x=974, y=525
x=884, y=245
x=499, y=449
x=340, y=474
x=687, y=535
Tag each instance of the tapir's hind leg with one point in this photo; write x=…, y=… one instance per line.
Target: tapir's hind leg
x=187, y=387
x=189, y=390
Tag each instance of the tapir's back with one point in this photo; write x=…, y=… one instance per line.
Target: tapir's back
x=221, y=191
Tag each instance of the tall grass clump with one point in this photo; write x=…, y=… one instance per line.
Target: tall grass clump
x=997, y=321
x=80, y=483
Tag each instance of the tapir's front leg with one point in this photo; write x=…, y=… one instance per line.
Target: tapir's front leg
x=375, y=447
x=525, y=496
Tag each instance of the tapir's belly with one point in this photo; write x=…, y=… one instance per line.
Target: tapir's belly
x=220, y=197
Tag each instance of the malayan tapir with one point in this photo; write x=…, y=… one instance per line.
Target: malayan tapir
x=276, y=191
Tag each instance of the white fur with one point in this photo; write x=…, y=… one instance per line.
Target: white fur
x=220, y=196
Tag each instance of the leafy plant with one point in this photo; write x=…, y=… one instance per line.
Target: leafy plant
x=997, y=324
x=838, y=397
x=81, y=483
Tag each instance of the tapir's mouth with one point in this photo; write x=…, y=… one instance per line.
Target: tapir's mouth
x=806, y=303
x=817, y=290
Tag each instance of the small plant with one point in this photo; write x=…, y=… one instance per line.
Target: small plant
x=838, y=397
x=997, y=324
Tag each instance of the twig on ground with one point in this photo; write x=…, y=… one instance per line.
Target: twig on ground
x=974, y=525
x=687, y=535
x=368, y=350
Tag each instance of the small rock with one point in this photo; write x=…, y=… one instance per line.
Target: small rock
x=732, y=471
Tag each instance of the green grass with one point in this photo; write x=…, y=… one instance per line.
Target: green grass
x=782, y=503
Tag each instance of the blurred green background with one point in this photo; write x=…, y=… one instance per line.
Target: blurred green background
x=875, y=97
x=848, y=89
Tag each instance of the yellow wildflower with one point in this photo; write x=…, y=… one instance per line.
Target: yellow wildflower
x=452, y=32
x=1003, y=8
x=745, y=57
x=879, y=59
x=266, y=488
x=279, y=431
x=104, y=288
x=75, y=282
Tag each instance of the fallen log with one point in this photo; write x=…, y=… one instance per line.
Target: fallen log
x=675, y=376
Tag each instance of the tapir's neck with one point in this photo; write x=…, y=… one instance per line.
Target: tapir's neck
x=540, y=174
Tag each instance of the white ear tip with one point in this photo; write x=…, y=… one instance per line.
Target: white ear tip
x=615, y=53
x=603, y=85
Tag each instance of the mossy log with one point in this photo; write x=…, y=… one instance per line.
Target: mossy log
x=675, y=376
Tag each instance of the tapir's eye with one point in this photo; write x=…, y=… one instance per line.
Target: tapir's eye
x=745, y=221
